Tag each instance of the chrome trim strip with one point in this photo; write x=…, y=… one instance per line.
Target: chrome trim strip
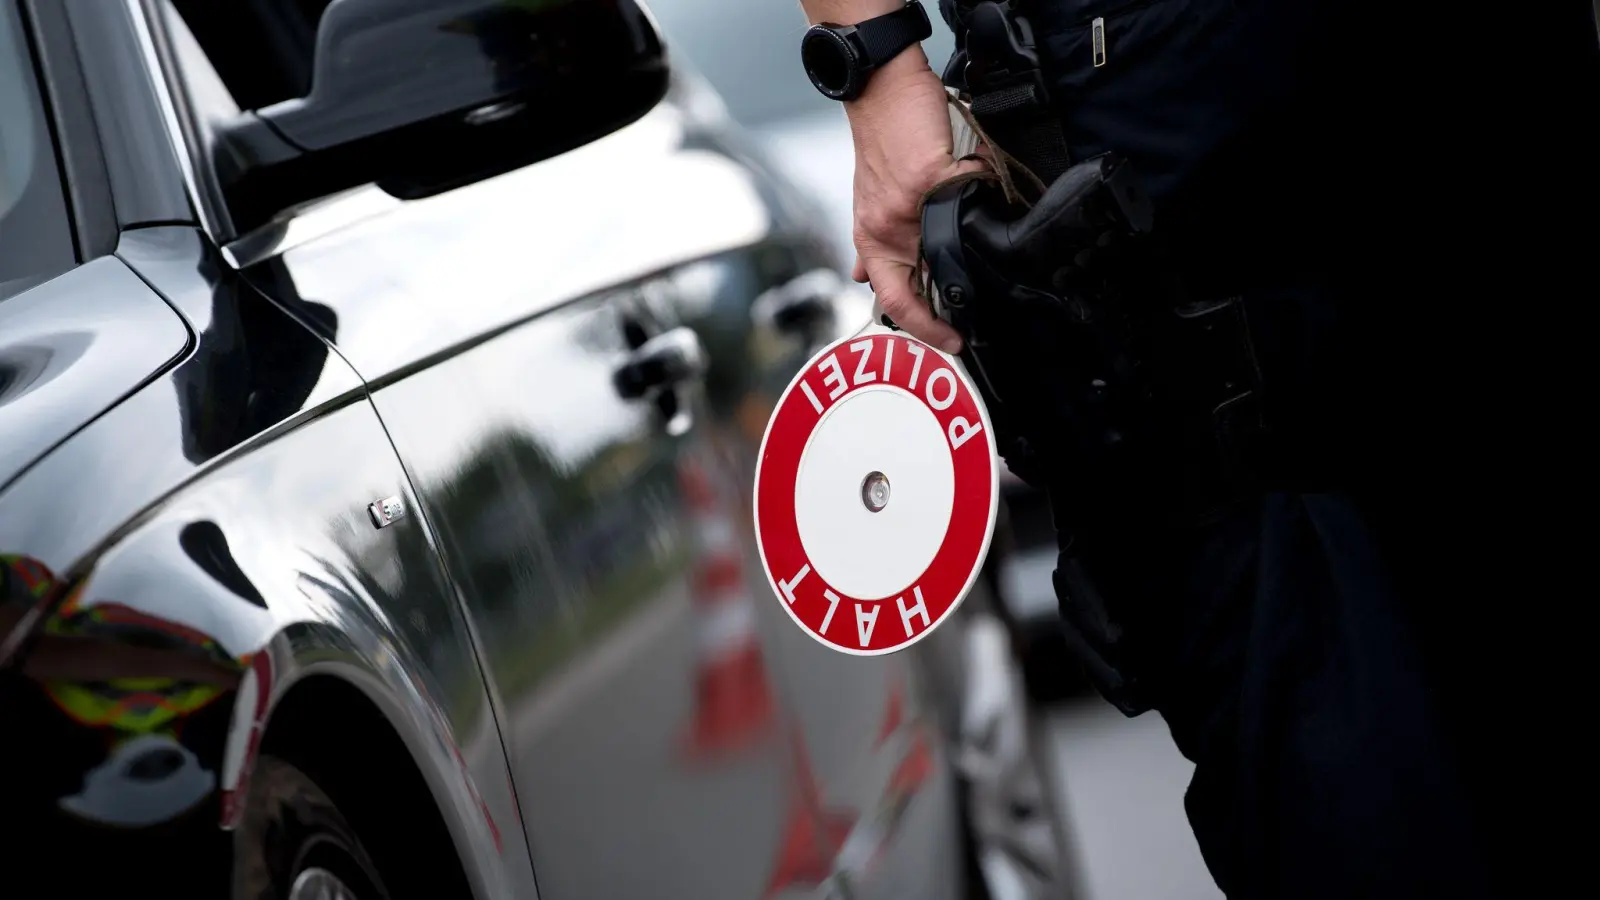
x=307, y=223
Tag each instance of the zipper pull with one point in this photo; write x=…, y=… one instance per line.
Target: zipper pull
x=1097, y=38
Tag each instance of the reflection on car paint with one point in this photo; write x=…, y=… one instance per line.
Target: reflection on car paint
x=250, y=706
x=69, y=349
x=825, y=845
x=26, y=588
x=303, y=537
x=734, y=707
x=814, y=833
x=588, y=557
x=134, y=681
x=848, y=848
x=874, y=835
x=388, y=663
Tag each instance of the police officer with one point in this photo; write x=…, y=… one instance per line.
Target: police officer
x=1278, y=646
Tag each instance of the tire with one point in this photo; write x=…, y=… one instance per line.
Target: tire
x=1050, y=674
x=294, y=844
x=1016, y=836
x=1049, y=670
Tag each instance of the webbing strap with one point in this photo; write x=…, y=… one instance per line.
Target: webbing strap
x=999, y=68
x=1012, y=116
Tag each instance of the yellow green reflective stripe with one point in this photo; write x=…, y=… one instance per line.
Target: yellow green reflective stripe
x=35, y=578
x=141, y=709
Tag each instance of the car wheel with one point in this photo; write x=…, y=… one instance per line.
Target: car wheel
x=1049, y=670
x=294, y=844
x=1019, y=843
x=1050, y=674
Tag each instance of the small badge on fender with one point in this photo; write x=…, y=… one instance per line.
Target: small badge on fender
x=384, y=512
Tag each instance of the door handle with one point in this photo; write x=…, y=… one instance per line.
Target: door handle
x=664, y=361
x=798, y=306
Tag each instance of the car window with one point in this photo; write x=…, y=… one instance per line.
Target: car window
x=224, y=68
x=261, y=50
x=750, y=52
x=35, y=235
x=207, y=92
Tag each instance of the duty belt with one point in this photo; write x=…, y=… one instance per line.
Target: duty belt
x=1202, y=340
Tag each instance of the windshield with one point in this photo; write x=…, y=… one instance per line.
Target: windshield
x=750, y=52
x=34, y=241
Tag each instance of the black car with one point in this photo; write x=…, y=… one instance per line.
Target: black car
x=380, y=382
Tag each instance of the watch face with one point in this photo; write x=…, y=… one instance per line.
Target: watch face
x=828, y=61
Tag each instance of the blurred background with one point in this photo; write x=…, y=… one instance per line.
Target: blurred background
x=1122, y=779
x=748, y=52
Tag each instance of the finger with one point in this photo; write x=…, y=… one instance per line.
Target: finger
x=899, y=301
x=858, y=273
x=965, y=166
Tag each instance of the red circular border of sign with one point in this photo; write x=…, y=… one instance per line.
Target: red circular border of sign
x=948, y=579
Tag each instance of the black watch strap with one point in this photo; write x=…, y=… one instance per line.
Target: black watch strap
x=840, y=58
x=885, y=37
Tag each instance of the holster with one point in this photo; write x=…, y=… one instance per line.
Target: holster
x=1131, y=403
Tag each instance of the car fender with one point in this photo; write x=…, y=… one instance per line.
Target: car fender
x=70, y=348
x=206, y=588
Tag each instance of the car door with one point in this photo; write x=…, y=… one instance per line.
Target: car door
x=519, y=341
x=577, y=521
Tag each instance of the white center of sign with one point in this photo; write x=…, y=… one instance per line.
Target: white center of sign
x=864, y=554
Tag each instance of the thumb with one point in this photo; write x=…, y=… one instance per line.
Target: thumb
x=897, y=297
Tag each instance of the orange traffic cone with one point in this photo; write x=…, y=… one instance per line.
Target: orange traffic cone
x=868, y=846
x=813, y=836
x=916, y=762
x=733, y=700
x=864, y=849
x=894, y=716
x=914, y=768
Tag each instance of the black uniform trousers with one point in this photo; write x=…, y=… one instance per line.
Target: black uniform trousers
x=1292, y=648
x=1285, y=666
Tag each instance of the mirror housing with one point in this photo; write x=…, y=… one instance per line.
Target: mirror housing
x=422, y=96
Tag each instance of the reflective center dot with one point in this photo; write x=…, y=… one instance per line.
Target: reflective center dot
x=875, y=491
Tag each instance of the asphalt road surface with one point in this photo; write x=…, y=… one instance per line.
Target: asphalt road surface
x=1124, y=783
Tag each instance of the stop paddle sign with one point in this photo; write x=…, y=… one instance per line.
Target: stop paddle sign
x=876, y=492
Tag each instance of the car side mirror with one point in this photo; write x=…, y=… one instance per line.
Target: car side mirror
x=421, y=96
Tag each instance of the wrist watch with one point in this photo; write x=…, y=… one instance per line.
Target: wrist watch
x=840, y=58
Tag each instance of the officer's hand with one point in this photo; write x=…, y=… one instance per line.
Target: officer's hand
x=901, y=126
